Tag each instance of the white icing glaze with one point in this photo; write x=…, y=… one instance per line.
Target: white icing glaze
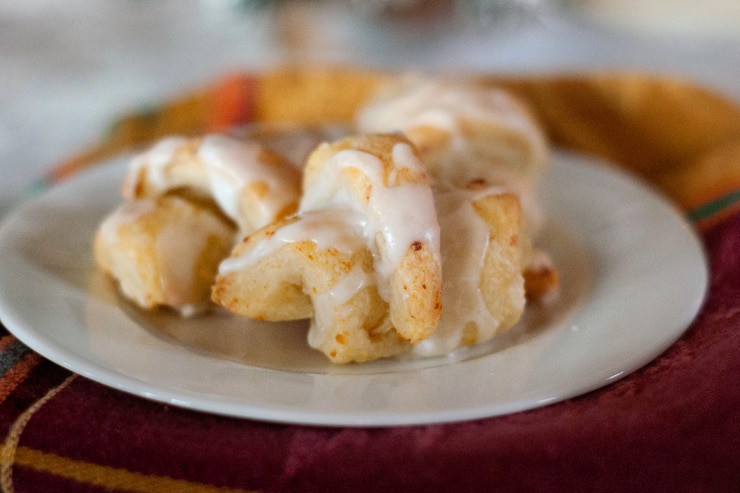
x=420, y=103
x=464, y=244
x=350, y=285
x=395, y=216
x=153, y=162
x=233, y=165
x=423, y=102
x=125, y=213
x=230, y=166
x=326, y=304
x=327, y=228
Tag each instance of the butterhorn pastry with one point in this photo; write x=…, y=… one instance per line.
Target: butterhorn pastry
x=184, y=199
x=467, y=133
x=482, y=260
x=361, y=257
x=251, y=185
x=327, y=261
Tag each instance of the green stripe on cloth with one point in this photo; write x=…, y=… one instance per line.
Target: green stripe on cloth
x=36, y=187
x=713, y=207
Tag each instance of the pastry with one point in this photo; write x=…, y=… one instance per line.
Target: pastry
x=482, y=258
x=414, y=242
x=252, y=185
x=361, y=256
x=465, y=133
x=364, y=255
x=164, y=251
x=184, y=200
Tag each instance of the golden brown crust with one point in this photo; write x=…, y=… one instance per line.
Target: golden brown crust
x=288, y=284
x=138, y=250
x=502, y=267
x=420, y=290
x=380, y=146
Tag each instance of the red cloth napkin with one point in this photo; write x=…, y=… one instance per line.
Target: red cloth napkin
x=674, y=425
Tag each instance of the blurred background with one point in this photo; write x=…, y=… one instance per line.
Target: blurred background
x=67, y=68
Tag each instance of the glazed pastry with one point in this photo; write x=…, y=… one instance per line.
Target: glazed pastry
x=164, y=251
x=465, y=133
x=482, y=257
x=184, y=198
x=361, y=257
x=335, y=261
x=252, y=185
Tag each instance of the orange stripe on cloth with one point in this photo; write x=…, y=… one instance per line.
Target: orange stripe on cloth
x=232, y=102
x=112, y=478
x=16, y=375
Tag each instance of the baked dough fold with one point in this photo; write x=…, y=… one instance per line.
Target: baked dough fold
x=361, y=257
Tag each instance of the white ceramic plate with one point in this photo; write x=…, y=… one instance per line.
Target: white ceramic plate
x=633, y=278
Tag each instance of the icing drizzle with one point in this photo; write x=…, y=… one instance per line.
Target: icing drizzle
x=230, y=166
